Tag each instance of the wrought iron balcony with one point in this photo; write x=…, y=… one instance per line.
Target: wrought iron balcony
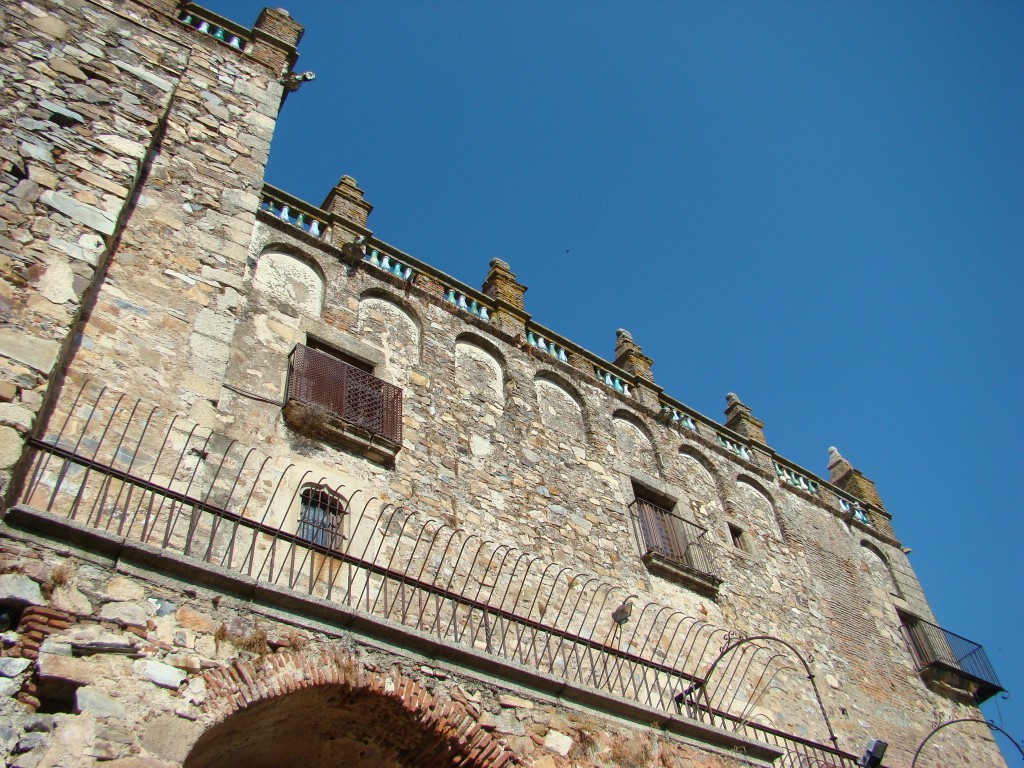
x=330, y=398
x=676, y=547
x=949, y=661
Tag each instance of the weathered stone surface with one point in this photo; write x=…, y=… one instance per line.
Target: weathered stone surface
x=9, y=687
x=17, y=588
x=51, y=25
x=149, y=77
x=17, y=416
x=159, y=673
x=170, y=737
x=68, y=669
x=97, y=703
x=124, y=589
x=508, y=700
x=558, y=742
x=27, y=190
x=129, y=612
x=88, y=215
x=34, y=352
x=10, y=447
x=12, y=667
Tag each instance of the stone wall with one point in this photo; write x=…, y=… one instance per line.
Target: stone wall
x=122, y=132
x=134, y=258
x=112, y=662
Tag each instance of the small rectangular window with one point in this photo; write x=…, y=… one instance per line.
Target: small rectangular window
x=739, y=538
x=320, y=516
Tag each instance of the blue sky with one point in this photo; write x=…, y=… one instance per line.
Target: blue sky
x=817, y=206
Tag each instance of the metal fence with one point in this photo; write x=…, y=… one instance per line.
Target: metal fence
x=119, y=466
x=934, y=646
x=684, y=543
x=318, y=379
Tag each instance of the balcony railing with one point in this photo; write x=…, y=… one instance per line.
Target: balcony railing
x=939, y=649
x=127, y=470
x=334, y=389
x=681, y=543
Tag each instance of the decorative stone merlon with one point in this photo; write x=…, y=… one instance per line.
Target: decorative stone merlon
x=740, y=419
x=630, y=357
x=346, y=202
x=502, y=286
x=275, y=37
x=843, y=474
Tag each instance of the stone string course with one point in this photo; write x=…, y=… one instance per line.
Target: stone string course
x=133, y=253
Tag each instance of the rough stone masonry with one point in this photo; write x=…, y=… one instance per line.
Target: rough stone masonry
x=222, y=407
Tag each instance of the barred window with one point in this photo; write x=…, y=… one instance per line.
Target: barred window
x=320, y=516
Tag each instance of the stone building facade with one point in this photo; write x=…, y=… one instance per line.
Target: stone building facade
x=277, y=491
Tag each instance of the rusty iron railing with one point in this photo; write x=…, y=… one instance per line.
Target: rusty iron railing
x=358, y=398
x=684, y=543
x=934, y=646
x=122, y=467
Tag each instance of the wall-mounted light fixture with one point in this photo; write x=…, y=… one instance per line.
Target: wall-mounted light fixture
x=621, y=614
x=873, y=754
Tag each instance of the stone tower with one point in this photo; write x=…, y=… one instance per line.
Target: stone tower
x=277, y=491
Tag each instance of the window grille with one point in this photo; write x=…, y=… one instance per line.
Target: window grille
x=320, y=517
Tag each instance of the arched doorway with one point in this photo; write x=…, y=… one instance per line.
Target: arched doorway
x=331, y=711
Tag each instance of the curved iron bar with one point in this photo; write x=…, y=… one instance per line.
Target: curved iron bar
x=112, y=464
x=810, y=675
x=515, y=601
x=251, y=556
x=484, y=623
x=95, y=453
x=615, y=628
x=465, y=583
x=234, y=528
x=101, y=499
x=594, y=679
x=561, y=640
x=175, y=511
x=936, y=729
x=354, y=534
x=763, y=688
x=438, y=572
x=149, y=481
x=410, y=560
x=131, y=466
x=540, y=618
x=205, y=503
x=227, y=501
x=376, y=530
x=44, y=461
x=660, y=688
x=269, y=558
x=409, y=515
x=170, y=482
x=733, y=667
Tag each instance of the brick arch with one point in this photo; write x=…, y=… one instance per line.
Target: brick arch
x=451, y=734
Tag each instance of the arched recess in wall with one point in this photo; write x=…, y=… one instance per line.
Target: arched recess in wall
x=700, y=476
x=757, y=496
x=291, y=278
x=561, y=406
x=479, y=370
x=877, y=563
x=390, y=323
x=327, y=708
x=635, y=442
